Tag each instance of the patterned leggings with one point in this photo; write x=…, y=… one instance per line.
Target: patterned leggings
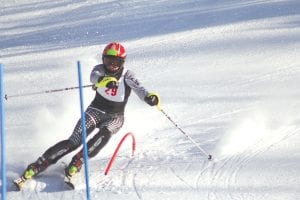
x=107, y=124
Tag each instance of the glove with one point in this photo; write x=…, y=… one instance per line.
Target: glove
x=108, y=82
x=152, y=99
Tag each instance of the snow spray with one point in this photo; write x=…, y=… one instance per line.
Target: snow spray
x=266, y=123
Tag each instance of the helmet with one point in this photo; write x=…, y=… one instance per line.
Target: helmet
x=114, y=49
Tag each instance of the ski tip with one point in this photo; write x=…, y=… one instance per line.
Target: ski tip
x=70, y=185
x=209, y=157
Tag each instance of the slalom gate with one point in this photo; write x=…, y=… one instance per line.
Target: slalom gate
x=2, y=136
x=117, y=150
x=85, y=147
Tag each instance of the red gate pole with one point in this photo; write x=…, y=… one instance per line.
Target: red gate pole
x=117, y=150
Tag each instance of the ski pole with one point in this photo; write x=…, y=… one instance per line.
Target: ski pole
x=44, y=92
x=209, y=156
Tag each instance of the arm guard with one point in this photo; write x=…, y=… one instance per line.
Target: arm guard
x=97, y=73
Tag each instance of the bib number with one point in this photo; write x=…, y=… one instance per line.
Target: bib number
x=111, y=91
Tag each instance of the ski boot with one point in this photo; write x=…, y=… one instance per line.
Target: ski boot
x=31, y=171
x=70, y=171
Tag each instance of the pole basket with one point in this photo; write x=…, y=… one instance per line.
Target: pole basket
x=117, y=150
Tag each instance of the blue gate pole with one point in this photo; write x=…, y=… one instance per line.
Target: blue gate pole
x=3, y=161
x=85, y=148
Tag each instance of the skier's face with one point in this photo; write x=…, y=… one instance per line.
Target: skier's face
x=112, y=63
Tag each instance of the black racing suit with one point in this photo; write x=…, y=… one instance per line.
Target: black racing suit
x=106, y=113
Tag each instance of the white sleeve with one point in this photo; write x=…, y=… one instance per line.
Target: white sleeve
x=135, y=85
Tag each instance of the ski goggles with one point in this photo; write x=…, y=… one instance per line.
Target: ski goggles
x=113, y=62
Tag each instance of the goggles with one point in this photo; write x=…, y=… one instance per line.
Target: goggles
x=113, y=63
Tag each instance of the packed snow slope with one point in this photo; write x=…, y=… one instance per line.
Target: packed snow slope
x=227, y=72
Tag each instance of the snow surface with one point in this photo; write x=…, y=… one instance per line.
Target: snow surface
x=227, y=71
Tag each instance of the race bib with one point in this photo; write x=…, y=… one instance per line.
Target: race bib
x=114, y=94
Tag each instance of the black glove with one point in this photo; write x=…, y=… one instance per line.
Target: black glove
x=112, y=84
x=152, y=99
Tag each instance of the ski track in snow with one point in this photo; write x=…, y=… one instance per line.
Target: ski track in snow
x=226, y=174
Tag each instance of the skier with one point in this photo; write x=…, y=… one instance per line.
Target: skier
x=112, y=84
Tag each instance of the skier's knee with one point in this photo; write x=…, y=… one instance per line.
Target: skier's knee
x=98, y=141
x=105, y=134
x=73, y=145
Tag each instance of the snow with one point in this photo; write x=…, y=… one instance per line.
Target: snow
x=227, y=73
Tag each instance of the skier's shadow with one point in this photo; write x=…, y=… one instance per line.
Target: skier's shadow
x=53, y=179
x=53, y=183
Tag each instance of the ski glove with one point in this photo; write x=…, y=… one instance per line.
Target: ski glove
x=152, y=99
x=108, y=82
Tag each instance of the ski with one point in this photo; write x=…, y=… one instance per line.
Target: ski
x=69, y=182
x=19, y=183
x=67, y=178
